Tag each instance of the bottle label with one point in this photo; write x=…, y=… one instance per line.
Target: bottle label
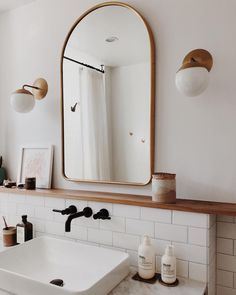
x=20, y=234
x=145, y=262
x=168, y=270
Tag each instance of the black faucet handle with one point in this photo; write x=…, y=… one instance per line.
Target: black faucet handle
x=102, y=214
x=88, y=212
x=70, y=210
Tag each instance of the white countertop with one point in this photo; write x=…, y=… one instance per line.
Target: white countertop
x=131, y=287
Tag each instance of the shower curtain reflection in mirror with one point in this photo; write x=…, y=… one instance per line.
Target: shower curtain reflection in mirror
x=94, y=125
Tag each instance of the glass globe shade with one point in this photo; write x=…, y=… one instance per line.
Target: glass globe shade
x=192, y=81
x=22, y=101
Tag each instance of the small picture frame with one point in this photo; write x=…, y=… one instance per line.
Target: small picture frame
x=36, y=161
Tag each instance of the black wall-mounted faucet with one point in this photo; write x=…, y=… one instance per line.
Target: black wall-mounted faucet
x=102, y=214
x=72, y=212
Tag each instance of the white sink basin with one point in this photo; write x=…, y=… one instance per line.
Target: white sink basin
x=27, y=269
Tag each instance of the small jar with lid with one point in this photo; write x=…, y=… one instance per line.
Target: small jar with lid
x=164, y=188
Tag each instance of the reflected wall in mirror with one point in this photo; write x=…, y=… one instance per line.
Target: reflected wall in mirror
x=107, y=70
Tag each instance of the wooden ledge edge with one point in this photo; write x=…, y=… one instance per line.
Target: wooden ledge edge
x=186, y=205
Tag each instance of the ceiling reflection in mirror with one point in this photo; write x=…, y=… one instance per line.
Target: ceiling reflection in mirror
x=107, y=99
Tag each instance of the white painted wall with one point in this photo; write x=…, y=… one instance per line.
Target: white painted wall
x=195, y=137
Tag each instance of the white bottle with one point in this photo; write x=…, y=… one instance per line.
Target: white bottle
x=146, y=259
x=168, y=266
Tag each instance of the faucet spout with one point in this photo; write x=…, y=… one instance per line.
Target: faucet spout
x=87, y=212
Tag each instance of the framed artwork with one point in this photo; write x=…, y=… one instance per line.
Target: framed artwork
x=36, y=161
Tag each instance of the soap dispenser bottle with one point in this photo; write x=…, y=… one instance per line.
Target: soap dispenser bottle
x=24, y=230
x=146, y=259
x=168, y=266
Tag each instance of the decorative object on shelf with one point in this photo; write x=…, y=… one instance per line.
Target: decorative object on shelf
x=9, y=235
x=9, y=183
x=30, y=183
x=23, y=101
x=2, y=172
x=193, y=76
x=36, y=162
x=164, y=188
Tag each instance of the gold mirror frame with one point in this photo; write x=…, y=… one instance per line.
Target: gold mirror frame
x=152, y=93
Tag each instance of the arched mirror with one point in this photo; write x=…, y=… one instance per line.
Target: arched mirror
x=107, y=78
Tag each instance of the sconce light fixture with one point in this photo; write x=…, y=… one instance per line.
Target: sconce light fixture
x=23, y=101
x=193, y=76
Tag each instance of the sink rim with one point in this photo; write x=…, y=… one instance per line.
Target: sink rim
x=70, y=291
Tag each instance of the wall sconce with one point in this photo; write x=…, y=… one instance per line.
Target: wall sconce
x=193, y=76
x=23, y=101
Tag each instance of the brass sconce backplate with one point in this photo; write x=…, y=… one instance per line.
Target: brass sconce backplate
x=200, y=57
x=42, y=90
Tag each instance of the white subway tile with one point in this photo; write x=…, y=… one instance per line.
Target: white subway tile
x=234, y=247
x=225, y=278
x=59, y=217
x=43, y=213
x=226, y=262
x=225, y=218
x=212, y=236
x=139, y=227
x=182, y=268
x=115, y=224
x=113, y=248
x=25, y=209
x=126, y=211
x=87, y=222
x=17, y=198
x=160, y=246
x=133, y=255
x=126, y=241
x=171, y=232
x=54, y=228
x=55, y=203
x=100, y=236
x=158, y=263
x=9, y=208
x=38, y=225
x=35, y=200
x=198, y=272
x=191, y=253
x=14, y=219
x=225, y=246
x=226, y=230
x=198, y=236
x=97, y=206
x=212, y=218
x=157, y=215
x=234, y=280
x=77, y=232
x=191, y=219
x=225, y=291
x=79, y=204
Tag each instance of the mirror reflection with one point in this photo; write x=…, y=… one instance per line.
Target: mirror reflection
x=106, y=71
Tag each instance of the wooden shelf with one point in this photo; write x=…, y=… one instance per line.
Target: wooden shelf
x=206, y=207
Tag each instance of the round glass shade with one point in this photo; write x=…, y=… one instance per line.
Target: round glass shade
x=192, y=81
x=22, y=102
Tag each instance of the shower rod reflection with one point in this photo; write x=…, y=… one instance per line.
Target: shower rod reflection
x=86, y=65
